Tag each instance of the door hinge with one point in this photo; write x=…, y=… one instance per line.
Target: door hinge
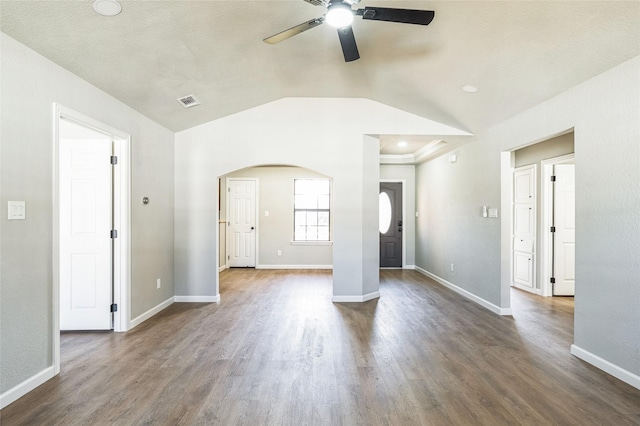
x=114, y=160
x=553, y=178
x=228, y=189
x=114, y=307
x=553, y=280
x=114, y=233
x=553, y=229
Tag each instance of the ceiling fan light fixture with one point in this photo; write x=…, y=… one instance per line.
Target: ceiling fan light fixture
x=339, y=15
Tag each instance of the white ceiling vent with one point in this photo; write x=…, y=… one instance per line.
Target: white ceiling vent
x=188, y=101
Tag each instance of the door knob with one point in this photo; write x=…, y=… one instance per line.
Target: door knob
x=252, y=228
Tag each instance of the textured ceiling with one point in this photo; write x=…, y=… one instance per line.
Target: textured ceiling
x=518, y=53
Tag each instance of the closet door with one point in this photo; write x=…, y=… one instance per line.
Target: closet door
x=524, y=228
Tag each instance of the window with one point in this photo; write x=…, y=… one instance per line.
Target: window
x=311, y=209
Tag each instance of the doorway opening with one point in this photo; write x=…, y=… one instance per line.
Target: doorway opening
x=542, y=213
x=274, y=217
x=91, y=216
x=391, y=222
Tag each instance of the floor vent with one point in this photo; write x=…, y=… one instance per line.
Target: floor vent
x=188, y=101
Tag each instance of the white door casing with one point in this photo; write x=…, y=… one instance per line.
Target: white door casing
x=564, y=236
x=241, y=222
x=85, y=242
x=121, y=218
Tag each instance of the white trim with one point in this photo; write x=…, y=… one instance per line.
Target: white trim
x=480, y=301
x=403, y=182
x=122, y=267
x=546, y=206
x=357, y=299
x=525, y=288
x=27, y=386
x=507, y=159
x=222, y=268
x=151, y=312
x=294, y=266
x=606, y=366
x=311, y=243
x=197, y=299
x=412, y=267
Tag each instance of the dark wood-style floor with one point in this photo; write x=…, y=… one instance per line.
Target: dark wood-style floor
x=277, y=351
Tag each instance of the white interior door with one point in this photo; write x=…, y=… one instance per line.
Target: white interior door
x=565, y=235
x=241, y=221
x=85, y=225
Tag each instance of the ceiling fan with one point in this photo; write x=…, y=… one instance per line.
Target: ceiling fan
x=340, y=15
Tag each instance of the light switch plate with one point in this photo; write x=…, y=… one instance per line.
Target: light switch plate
x=493, y=212
x=17, y=210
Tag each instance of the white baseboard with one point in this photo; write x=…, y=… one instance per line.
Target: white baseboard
x=410, y=267
x=25, y=387
x=294, y=266
x=198, y=299
x=151, y=312
x=480, y=301
x=525, y=288
x=222, y=268
x=606, y=366
x=363, y=298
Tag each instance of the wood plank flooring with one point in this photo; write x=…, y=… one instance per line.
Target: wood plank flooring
x=276, y=351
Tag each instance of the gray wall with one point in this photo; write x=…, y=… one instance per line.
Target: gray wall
x=275, y=232
x=534, y=154
x=30, y=84
x=450, y=227
x=603, y=112
x=280, y=133
x=551, y=148
x=408, y=174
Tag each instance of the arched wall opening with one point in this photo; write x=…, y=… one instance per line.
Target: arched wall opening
x=272, y=244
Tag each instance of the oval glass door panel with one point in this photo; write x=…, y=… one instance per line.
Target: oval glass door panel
x=385, y=212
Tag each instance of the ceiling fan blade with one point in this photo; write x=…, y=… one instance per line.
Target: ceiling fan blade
x=277, y=38
x=348, y=43
x=404, y=16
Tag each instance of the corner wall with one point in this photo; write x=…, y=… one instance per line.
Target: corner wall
x=604, y=112
x=30, y=85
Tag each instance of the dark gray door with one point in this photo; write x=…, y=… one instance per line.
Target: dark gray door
x=391, y=224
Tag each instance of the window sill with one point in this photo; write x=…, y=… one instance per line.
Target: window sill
x=311, y=243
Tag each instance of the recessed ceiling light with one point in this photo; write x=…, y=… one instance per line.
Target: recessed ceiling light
x=402, y=144
x=107, y=7
x=469, y=88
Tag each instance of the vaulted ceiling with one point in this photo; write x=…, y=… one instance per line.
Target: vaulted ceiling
x=517, y=53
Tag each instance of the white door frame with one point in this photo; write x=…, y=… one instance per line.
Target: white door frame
x=257, y=218
x=546, y=248
x=404, y=214
x=122, y=219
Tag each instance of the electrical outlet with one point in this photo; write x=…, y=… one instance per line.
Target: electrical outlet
x=451, y=268
x=279, y=252
x=158, y=283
